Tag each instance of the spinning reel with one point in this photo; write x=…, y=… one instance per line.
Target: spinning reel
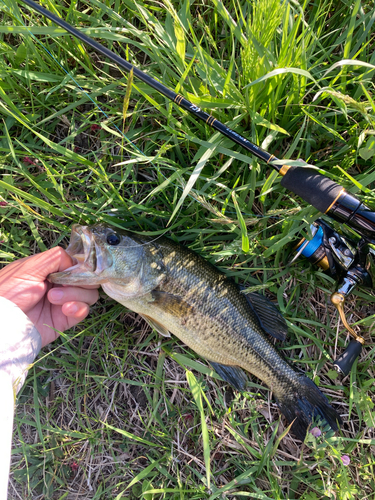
x=350, y=261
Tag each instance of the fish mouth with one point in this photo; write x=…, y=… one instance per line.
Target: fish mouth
x=89, y=259
x=82, y=249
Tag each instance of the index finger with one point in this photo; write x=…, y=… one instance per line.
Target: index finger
x=39, y=266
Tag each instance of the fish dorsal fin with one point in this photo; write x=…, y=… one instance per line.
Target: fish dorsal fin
x=234, y=375
x=270, y=318
x=156, y=325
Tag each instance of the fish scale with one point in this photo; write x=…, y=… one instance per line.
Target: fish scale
x=177, y=291
x=221, y=307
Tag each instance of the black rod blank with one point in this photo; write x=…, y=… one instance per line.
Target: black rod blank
x=162, y=89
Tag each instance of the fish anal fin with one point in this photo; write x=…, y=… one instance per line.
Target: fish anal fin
x=156, y=325
x=270, y=318
x=234, y=375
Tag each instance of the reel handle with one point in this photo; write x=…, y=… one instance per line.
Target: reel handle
x=345, y=361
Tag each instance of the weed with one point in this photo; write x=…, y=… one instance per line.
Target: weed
x=108, y=410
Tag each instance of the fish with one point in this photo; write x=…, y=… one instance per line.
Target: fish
x=178, y=292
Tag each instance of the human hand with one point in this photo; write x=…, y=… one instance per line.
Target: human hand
x=49, y=307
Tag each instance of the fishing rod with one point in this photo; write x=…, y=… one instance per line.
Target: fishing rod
x=352, y=262
x=319, y=191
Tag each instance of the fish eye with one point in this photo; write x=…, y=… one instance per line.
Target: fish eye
x=113, y=239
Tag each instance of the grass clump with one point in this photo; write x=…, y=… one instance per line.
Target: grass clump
x=111, y=410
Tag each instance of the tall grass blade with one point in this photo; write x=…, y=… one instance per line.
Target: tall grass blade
x=196, y=391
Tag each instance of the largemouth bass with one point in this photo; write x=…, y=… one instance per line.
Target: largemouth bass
x=178, y=292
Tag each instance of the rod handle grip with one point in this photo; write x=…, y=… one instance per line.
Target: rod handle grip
x=345, y=361
x=318, y=190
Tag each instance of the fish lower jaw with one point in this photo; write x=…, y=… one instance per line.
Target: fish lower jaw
x=76, y=275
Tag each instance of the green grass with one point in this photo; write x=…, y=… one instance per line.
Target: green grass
x=111, y=410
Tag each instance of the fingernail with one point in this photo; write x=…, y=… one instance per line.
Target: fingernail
x=56, y=294
x=73, y=309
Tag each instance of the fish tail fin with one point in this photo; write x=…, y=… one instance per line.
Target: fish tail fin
x=305, y=403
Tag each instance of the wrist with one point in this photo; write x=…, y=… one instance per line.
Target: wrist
x=21, y=345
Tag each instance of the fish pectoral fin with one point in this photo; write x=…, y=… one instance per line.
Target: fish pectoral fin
x=270, y=318
x=156, y=325
x=171, y=304
x=234, y=375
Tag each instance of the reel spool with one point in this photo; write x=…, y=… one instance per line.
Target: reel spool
x=352, y=264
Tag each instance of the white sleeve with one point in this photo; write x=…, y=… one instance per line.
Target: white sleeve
x=20, y=343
